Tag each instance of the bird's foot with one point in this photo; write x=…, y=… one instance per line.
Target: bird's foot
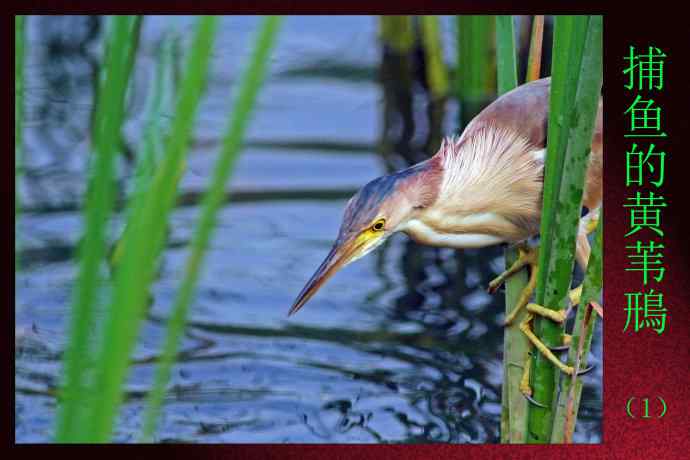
x=526, y=327
x=527, y=256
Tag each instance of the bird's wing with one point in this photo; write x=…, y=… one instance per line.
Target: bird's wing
x=524, y=111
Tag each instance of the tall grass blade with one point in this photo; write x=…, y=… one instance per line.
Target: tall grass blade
x=397, y=32
x=247, y=93
x=109, y=116
x=160, y=101
x=437, y=74
x=573, y=108
x=143, y=243
x=506, y=62
x=571, y=388
x=18, y=123
x=535, y=48
x=515, y=344
x=475, y=71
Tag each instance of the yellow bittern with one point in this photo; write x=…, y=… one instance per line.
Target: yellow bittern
x=481, y=189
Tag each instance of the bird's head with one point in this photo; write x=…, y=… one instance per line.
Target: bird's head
x=372, y=215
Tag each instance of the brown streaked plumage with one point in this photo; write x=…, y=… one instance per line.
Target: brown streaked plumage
x=480, y=189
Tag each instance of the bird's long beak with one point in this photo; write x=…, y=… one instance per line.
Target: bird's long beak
x=341, y=254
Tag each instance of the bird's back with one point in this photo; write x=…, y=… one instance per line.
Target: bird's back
x=525, y=112
x=492, y=179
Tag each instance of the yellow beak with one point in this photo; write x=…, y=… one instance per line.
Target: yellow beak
x=339, y=256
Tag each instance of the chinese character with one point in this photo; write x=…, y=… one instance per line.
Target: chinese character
x=652, y=310
x=650, y=69
x=644, y=117
x=646, y=259
x=645, y=212
x=636, y=159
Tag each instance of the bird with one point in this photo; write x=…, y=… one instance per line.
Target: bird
x=480, y=189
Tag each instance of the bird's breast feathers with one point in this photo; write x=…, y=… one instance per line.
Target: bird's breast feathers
x=455, y=231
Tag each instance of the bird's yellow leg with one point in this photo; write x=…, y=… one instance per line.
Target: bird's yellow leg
x=527, y=256
x=587, y=225
x=555, y=315
x=524, y=297
x=526, y=328
x=525, y=388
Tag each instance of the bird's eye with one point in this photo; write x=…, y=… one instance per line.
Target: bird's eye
x=378, y=225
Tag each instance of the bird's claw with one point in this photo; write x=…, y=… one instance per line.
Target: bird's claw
x=560, y=348
x=586, y=370
x=492, y=288
x=533, y=401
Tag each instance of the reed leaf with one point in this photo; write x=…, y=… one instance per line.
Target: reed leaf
x=160, y=101
x=475, y=72
x=535, y=48
x=109, y=116
x=397, y=32
x=436, y=72
x=214, y=197
x=515, y=344
x=506, y=62
x=18, y=123
x=571, y=388
x=147, y=223
x=573, y=107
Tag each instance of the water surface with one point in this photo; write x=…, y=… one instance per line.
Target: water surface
x=401, y=346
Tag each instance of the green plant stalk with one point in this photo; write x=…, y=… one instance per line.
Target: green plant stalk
x=159, y=102
x=515, y=349
x=436, y=72
x=18, y=123
x=569, y=38
x=147, y=223
x=214, y=197
x=506, y=61
x=515, y=343
x=584, y=324
x=535, y=48
x=99, y=202
x=561, y=219
x=475, y=72
x=397, y=32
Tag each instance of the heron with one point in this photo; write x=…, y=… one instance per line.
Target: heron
x=480, y=189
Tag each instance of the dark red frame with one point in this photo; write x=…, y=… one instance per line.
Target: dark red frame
x=635, y=365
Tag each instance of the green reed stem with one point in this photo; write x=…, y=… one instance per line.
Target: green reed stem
x=535, y=48
x=515, y=344
x=147, y=224
x=436, y=71
x=214, y=197
x=571, y=388
x=99, y=202
x=475, y=72
x=575, y=90
x=160, y=102
x=397, y=32
x=506, y=62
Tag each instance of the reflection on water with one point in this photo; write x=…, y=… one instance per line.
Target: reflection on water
x=402, y=346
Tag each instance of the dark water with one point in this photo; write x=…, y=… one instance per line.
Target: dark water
x=402, y=346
